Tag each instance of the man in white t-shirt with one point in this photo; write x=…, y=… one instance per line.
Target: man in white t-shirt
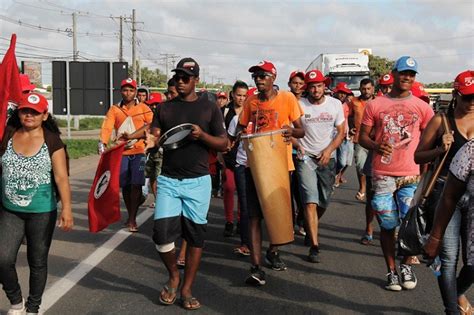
x=323, y=123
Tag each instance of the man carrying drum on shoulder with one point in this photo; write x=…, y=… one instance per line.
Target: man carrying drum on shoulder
x=268, y=110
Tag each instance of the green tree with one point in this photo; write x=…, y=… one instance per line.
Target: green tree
x=439, y=85
x=379, y=66
x=151, y=77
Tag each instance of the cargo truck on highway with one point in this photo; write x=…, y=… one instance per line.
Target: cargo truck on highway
x=349, y=68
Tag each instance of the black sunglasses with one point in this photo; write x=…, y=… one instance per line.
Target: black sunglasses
x=184, y=78
x=261, y=75
x=466, y=98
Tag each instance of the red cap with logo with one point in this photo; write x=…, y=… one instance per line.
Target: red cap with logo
x=386, y=79
x=298, y=73
x=464, y=82
x=25, y=83
x=316, y=76
x=342, y=87
x=155, y=97
x=252, y=91
x=264, y=65
x=34, y=101
x=129, y=82
x=221, y=94
x=418, y=90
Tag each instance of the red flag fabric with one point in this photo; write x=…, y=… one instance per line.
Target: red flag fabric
x=10, y=87
x=104, y=196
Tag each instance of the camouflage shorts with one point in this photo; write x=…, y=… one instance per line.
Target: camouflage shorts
x=153, y=165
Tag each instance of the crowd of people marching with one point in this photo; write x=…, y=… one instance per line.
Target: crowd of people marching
x=390, y=132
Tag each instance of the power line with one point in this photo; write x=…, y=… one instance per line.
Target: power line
x=297, y=46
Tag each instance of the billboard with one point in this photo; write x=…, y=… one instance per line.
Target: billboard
x=33, y=70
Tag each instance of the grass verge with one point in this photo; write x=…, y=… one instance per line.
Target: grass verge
x=77, y=148
x=89, y=123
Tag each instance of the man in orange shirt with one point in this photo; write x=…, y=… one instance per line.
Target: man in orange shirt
x=132, y=168
x=268, y=110
x=356, y=111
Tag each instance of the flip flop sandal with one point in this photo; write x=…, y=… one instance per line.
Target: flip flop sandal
x=181, y=263
x=360, y=196
x=168, y=290
x=366, y=239
x=132, y=228
x=190, y=303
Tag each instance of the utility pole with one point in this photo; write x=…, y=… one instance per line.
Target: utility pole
x=134, y=69
x=74, y=37
x=139, y=72
x=121, y=40
x=169, y=57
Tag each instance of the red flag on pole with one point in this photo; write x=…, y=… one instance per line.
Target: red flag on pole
x=104, y=196
x=10, y=87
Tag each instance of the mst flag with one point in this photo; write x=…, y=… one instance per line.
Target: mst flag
x=10, y=87
x=104, y=197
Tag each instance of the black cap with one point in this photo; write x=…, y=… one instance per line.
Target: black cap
x=189, y=66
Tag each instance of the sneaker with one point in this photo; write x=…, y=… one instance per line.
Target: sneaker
x=314, y=254
x=256, y=277
x=408, y=277
x=229, y=229
x=393, y=283
x=17, y=309
x=273, y=259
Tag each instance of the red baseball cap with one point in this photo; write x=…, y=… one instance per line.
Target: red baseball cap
x=342, y=87
x=316, y=76
x=418, y=90
x=464, y=82
x=25, y=83
x=295, y=73
x=252, y=91
x=265, y=66
x=34, y=101
x=130, y=82
x=221, y=94
x=155, y=97
x=386, y=79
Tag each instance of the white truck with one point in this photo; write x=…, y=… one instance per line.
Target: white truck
x=349, y=68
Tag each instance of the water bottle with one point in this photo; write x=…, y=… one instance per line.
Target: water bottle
x=100, y=147
x=388, y=159
x=435, y=266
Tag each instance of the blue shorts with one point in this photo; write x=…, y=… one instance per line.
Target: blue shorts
x=181, y=209
x=132, y=170
x=392, y=198
x=360, y=155
x=345, y=154
x=316, y=185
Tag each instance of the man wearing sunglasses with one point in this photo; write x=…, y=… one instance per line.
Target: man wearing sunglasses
x=184, y=186
x=270, y=109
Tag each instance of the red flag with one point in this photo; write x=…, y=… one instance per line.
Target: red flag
x=10, y=87
x=104, y=196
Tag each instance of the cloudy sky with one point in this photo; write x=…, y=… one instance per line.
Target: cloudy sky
x=228, y=36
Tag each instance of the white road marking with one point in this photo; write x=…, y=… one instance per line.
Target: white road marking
x=66, y=283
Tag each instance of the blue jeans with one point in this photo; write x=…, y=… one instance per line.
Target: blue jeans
x=240, y=184
x=38, y=228
x=456, y=230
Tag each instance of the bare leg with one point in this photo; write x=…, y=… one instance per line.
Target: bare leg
x=193, y=259
x=387, y=242
x=255, y=232
x=182, y=251
x=312, y=215
x=170, y=263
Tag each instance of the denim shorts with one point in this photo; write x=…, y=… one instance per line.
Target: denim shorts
x=345, y=154
x=360, y=155
x=316, y=185
x=181, y=209
x=132, y=170
x=392, y=198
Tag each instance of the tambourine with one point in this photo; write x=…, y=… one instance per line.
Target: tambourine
x=176, y=137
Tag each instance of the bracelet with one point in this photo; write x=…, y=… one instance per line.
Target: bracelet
x=434, y=238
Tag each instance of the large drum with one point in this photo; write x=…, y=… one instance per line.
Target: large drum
x=267, y=157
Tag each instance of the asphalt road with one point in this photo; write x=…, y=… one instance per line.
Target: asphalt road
x=88, y=275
